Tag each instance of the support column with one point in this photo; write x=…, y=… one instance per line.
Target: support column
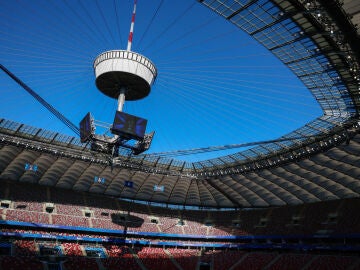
x=121, y=99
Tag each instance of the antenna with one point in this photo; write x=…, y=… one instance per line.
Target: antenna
x=131, y=28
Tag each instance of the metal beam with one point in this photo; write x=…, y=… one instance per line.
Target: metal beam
x=241, y=9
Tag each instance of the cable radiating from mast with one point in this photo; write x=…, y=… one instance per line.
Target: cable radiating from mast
x=105, y=21
x=55, y=112
x=152, y=20
x=170, y=25
x=117, y=22
x=200, y=150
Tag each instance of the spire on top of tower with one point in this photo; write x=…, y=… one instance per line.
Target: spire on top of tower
x=131, y=28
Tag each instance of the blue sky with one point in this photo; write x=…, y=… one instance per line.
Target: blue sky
x=215, y=84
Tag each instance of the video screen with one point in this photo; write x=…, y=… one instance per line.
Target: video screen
x=86, y=128
x=129, y=126
x=159, y=188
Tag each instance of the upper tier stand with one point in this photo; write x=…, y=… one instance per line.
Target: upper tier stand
x=124, y=70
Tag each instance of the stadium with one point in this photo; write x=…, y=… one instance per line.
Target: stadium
x=90, y=201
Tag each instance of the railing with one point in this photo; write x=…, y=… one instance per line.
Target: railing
x=120, y=54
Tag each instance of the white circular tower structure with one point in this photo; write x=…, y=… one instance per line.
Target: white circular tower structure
x=123, y=74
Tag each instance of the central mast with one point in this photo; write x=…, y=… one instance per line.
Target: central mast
x=125, y=75
x=121, y=99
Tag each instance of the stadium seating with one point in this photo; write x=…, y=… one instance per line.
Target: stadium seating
x=29, y=206
x=20, y=263
x=115, y=251
x=330, y=262
x=27, y=216
x=155, y=259
x=88, y=211
x=255, y=261
x=226, y=259
x=76, y=263
x=73, y=249
x=170, y=225
x=291, y=261
x=70, y=209
x=105, y=224
x=186, y=258
x=120, y=263
x=25, y=248
x=116, y=256
x=70, y=220
x=120, y=257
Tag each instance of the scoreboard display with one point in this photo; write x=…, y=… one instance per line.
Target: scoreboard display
x=86, y=128
x=129, y=126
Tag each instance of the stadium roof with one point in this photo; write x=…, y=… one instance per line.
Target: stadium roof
x=324, y=171
x=319, y=42
x=308, y=37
